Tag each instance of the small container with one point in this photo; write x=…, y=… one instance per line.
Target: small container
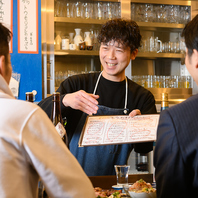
x=65, y=44
x=82, y=46
x=72, y=46
x=89, y=47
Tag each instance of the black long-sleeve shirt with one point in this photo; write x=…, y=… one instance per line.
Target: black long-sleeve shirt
x=112, y=94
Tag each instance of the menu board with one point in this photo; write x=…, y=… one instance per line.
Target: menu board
x=28, y=26
x=105, y=129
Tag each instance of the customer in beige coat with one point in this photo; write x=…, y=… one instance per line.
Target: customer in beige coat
x=30, y=146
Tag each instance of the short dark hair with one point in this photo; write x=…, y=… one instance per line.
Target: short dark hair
x=190, y=34
x=5, y=37
x=125, y=32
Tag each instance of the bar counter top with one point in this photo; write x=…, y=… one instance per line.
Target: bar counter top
x=106, y=182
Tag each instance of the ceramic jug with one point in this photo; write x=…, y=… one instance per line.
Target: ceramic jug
x=87, y=39
x=78, y=38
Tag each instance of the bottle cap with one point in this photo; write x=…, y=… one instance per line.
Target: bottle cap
x=56, y=96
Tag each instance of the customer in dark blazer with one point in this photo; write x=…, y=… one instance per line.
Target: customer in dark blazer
x=176, y=151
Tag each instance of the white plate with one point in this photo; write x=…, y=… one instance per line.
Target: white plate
x=142, y=195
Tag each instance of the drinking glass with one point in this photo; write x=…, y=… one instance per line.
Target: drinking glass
x=165, y=10
x=139, y=12
x=57, y=8
x=98, y=10
x=133, y=11
x=152, y=44
x=162, y=81
x=88, y=10
x=69, y=9
x=176, y=12
x=78, y=9
x=171, y=18
x=122, y=172
x=187, y=14
x=116, y=10
x=109, y=11
x=148, y=13
x=158, y=12
x=63, y=9
x=186, y=81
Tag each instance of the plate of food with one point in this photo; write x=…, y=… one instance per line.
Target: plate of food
x=141, y=189
x=111, y=193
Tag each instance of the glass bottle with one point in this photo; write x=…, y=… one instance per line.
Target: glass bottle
x=56, y=117
x=29, y=96
x=164, y=101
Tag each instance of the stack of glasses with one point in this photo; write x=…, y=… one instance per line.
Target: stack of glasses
x=160, y=13
x=154, y=81
x=87, y=10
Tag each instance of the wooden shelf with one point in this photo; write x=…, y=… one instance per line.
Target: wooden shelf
x=78, y=20
x=141, y=24
x=161, y=25
x=153, y=55
x=76, y=52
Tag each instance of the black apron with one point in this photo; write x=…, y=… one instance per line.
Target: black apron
x=100, y=160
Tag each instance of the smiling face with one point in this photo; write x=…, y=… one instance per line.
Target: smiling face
x=114, y=59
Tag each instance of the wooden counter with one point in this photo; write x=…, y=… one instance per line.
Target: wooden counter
x=106, y=182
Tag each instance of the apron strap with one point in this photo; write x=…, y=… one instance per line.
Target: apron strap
x=97, y=83
x=126, y=94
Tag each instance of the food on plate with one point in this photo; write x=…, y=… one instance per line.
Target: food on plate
x=141, y=186
x=101, y=193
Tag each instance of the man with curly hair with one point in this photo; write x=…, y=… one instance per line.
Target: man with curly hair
x=108, y=92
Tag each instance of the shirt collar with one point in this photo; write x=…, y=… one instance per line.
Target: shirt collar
x=4, y=88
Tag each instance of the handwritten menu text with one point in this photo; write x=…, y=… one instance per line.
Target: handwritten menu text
x=101, y=130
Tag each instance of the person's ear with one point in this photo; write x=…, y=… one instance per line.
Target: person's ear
x=196, y=57
x=2, y=65
x=134, y=54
